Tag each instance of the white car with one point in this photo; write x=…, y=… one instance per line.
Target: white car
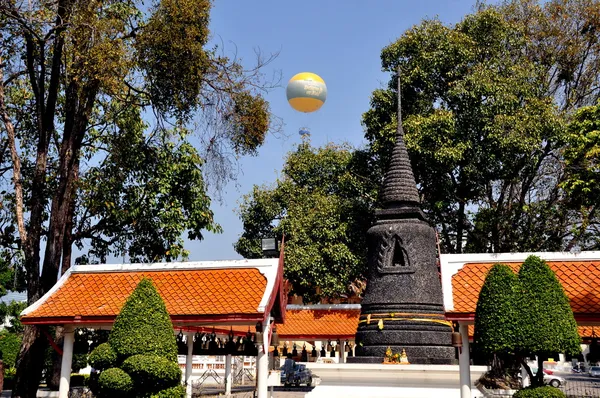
x=551, y=379
x=554, y=380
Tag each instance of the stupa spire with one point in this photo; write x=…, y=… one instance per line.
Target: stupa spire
x=399, y=187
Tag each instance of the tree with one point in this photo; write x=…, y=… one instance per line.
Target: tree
x=323, y=205
x=581, y=159
x=140, y=358
x=485, y=105
x=546, y=319
x=79, y=164
x=497, y=317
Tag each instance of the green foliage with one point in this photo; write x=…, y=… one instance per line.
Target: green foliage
x=152, y=373
x=497, y=325
x=546, y=322
x=173, y=392
x=583, y=173
x=484, y=116
x=103, y=357
x=114, y=382
x=13, y=311
x=143, y=326
x=167, y=197
x=10, y=343
x=540, y=392
x=171, y=52
x=323, y=205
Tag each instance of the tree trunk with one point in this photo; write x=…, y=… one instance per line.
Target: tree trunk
x=53, y=379
x=30, y=363
x=1, y=375
x=539, y=377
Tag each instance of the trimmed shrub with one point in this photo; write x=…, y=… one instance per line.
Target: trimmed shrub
x=143, y=326
x=173, y=392
x=152, y=373
x=103, y=357
x=496, y=315
x=115, y=383
x=540, y=392
x=547, y=324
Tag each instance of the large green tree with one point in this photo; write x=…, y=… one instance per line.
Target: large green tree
x=323, y=204
x=582, y=154
x=485, y=106
x=100, y=102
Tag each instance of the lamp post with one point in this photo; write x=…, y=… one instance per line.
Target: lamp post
x=270, y=247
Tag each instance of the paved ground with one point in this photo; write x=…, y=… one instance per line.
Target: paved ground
x=581, y=385
x=278, y=392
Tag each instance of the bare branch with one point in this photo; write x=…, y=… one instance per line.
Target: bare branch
x=15, y=160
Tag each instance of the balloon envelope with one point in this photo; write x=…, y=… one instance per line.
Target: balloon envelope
x=306, y=92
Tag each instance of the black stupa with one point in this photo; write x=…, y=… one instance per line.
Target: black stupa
x=403, y=304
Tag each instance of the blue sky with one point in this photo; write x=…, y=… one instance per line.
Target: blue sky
x=341, y=41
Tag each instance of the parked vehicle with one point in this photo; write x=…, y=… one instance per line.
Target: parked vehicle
x=301, y=375
x=594, y=371
x=550, y=378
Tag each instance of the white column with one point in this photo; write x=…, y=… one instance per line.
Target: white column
x=262, y=361
x=188, y=365
x=464, y=365
x=228, y=378
x=342, y=349
x=67, y=358
x=318, y=345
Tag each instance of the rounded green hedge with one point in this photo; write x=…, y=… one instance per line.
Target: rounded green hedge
x=173, y=392
x=143, y=326
x=540, y=392
x=103, y=357
x=151, y=372
x=115, y=383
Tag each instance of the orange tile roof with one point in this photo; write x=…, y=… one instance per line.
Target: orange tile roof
x=187, y=294
x=307, y=323
x=580, y=280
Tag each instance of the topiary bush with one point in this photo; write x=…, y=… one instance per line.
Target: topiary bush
x=151, y=372
x=103, y=357
x=143, y=345
x=115, y=383
x=497, y=327
x=546, y=322
x=143, y=326
x=496, y=315
x=173, y=392
x=540, y=392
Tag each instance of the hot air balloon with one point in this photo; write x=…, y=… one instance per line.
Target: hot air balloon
x=306, y=92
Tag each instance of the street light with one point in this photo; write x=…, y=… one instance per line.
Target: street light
x=269, y=246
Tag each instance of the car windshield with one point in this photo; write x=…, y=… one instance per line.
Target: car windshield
x=595, y=368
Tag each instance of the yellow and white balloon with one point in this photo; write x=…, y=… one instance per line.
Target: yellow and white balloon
x=306, y=92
